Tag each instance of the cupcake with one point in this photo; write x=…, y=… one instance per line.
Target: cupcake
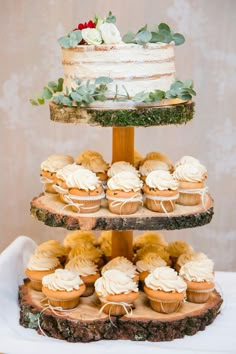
x=176, y=248
x=94, y=162
x=137, y=159
x=60, y=185
x=49, y=168
x=121, y=166
x=152, y=165
x=148, y=264
x=191, y=256
x=124, y=193
x=85, y=192
x=159, y=156
x=104, y=241
x=199, y=278
x=63, y=288
x=87, y=270
x=116, y=291
x=38, y=267
x=52, y=248
x=191, y=177
x=165, y=290
x=78, y=237
x=89, y=251
x=156, y=250
x=124, y=265
x=147, y=238
x=160, y=191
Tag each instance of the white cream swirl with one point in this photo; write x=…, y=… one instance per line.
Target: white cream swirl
x=113, y=282
x=149, y=263
x=190, y=173
x=197, y=271
x=126, y=181
x=121, y=166
x=193, y=256
x=83, y=179
x=38, y=262
x=122, y=264
x=152, y=165
x=62, y=279
x=187, y=159
x=165, y=279
x=56, y=162
x=82, y=266
x=162, y=180
x=64, y=172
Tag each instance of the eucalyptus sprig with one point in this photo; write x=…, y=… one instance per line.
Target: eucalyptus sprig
x=48, y=92
x=162, y=34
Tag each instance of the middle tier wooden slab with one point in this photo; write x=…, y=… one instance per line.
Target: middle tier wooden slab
x=49, y=209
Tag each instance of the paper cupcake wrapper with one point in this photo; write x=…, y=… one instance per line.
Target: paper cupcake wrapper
x=201, y=191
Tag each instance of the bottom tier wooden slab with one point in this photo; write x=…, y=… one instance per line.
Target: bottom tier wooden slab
x=86, y=323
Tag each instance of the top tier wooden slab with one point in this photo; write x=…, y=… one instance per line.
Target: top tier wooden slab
x=49, y=209
x=163, y=114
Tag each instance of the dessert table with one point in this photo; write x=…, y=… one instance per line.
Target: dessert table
x=219, y=337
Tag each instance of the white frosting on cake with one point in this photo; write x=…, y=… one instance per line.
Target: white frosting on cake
x=125, y=181
x=37, y=262
x=121, y=166
x=152, y=165
x=165, y=279
x=83, y=179
x=190, y=172
x=56, y=162
x=138, y=68
x=150, y=263
x=198, y=271
x=187, y=159
x=82, y=266
x=161, y=180
x=122, y=264
x=64, y=172
x=62, y=279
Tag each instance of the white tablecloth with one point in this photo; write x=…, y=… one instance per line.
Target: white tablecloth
x=219, y=337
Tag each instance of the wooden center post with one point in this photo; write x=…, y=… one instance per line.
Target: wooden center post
x=122, y=150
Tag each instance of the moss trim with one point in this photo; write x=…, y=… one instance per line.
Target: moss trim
x=162, y=115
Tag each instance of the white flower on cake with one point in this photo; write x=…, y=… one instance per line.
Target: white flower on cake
x=91, y=36
x=110, y=33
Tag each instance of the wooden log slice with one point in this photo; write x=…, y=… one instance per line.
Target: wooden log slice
x=86, y=323
x=49, y=209
x=144, y=116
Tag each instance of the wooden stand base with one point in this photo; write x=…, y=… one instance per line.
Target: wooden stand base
x=86, y=323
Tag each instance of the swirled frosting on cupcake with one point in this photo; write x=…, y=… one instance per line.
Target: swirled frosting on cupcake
x=198, y=271
x=161, y=180
x=113, y=282
x=165, y=279
x=56, y=162
x=122, y=264
x=83, y=179
x=193, y=256
x=93, y=161
x=125, y=181
x=121, y=166
x=64, y=172
x=51, y=248
x=176, y=248
x=62, y=279
x=150, y=263
x=187, y=159
x=155, y=250
x=152, y=165
x=190, y=173
x=38, y=262
x=87, y=250
x=82, y=266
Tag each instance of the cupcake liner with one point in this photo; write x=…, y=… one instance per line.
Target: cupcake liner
x=160, y=204
x=124, y=206
x=198, y=296
x=191, y=197
x=165, y=306
x=84, y=204
x=64, y=304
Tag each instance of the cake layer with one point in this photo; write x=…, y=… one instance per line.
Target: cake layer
x=138, y=68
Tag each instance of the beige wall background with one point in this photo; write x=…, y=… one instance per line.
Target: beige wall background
x=30, y=57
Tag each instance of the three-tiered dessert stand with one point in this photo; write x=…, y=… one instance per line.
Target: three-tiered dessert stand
x=87, y=323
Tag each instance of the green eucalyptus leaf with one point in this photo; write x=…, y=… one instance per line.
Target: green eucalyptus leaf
x=73, y=43
x=76, y=97
x=185, y=97
x=67, y=91
x=157, y=95
x=167, y=38
x=64, y=42
x=128, y=37
x=144, y=28
x=78, y=82
x=176, y=85
x=164, y=28
x=33, y=102
x=78, y=36
x=40, y=100
x=110, y=18
x=188, y=83
x=47, y=94
x=67, y=101
x=140, y=96
x=60, y=84
x=156, y=37
x=72, y=35
x=53, y=86
x=143, y=37
x=103, y=80
x=178, y=38
x=100, y=97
